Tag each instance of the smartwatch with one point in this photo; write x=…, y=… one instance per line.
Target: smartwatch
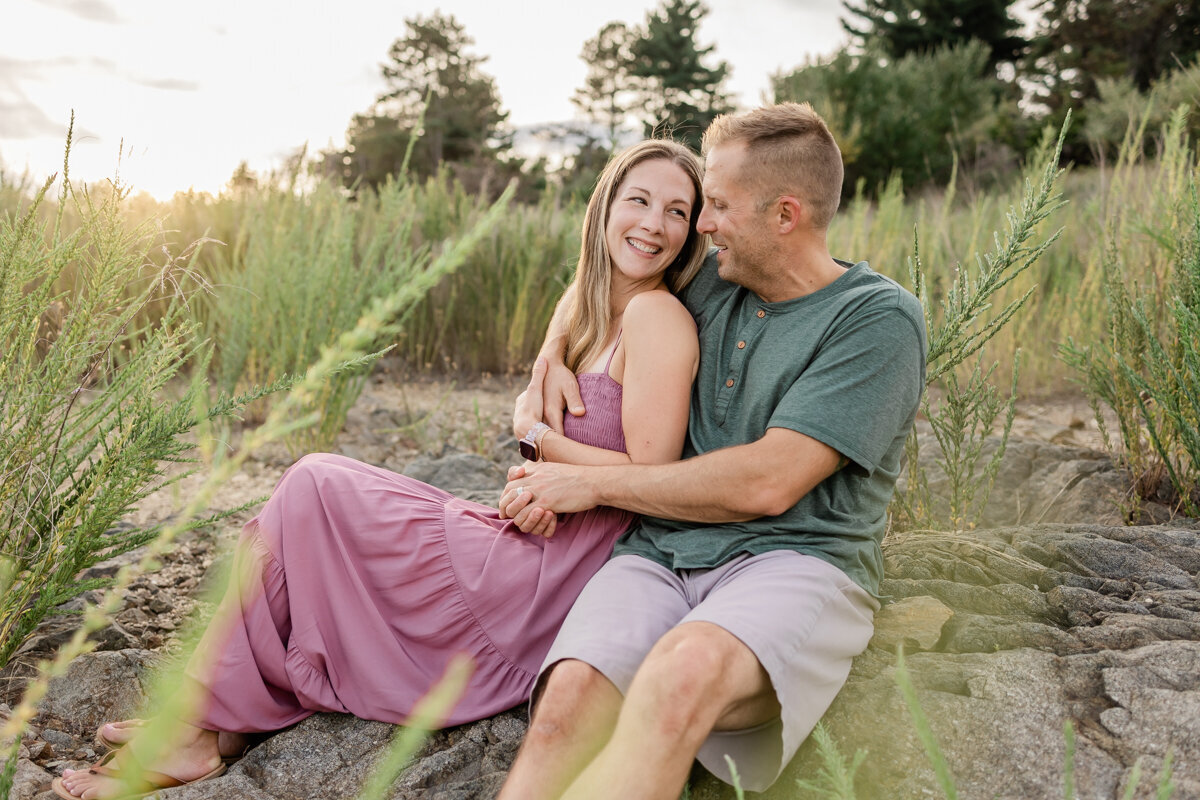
x=531, y=445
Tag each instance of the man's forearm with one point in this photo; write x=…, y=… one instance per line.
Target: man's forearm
x=764, y=478
x=682, y=490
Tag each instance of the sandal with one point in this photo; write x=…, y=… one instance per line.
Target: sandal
x=150, y=782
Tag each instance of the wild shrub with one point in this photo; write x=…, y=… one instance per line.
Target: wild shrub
x=1146, y=367
x=1121, y=105
x=958, y=326
x=88, y=424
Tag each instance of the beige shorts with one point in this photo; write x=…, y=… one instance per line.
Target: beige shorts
x=802, y=618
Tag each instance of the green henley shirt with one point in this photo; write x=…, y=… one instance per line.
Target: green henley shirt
x=844, y=365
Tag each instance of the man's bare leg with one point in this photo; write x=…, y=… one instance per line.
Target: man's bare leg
x=573, y=719
x=698, y=678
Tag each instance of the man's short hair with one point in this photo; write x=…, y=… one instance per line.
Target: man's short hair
x=789, y=151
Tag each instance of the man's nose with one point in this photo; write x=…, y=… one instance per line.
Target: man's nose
x=704, y=223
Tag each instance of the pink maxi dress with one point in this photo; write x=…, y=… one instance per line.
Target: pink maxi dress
x=358, y=586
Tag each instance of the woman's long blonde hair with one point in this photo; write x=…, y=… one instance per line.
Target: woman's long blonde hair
x=588, y=319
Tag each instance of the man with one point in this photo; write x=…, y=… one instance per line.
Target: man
x=728, y=617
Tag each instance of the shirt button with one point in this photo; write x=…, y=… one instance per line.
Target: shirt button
x=729, y=382
x=741, y=345
x=761, y=313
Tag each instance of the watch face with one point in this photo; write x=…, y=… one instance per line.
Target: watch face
x=528, y=451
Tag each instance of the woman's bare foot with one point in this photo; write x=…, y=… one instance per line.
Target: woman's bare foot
x=118, y=734
x=193, y=755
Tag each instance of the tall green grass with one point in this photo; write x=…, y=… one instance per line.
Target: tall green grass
x=489, y=317
x=1105, y=215
x=1145, y=363
x=299, y=269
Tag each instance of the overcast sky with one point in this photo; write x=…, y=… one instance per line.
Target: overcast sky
x=195, y=88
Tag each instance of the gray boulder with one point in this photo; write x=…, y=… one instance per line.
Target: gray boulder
x=458, y=473
x=1039, y=482
x=1040, y=626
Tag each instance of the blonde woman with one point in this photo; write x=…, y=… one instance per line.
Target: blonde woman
x=363, y=584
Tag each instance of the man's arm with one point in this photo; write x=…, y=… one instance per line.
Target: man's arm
x=560, y=390
x=763, y=478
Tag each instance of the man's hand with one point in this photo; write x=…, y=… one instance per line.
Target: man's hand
x=528, y=409
x=526, y=516
x=560, y=390
x=537, y=490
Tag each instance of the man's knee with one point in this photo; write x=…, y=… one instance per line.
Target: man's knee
x=703, y=674
x=573, y=692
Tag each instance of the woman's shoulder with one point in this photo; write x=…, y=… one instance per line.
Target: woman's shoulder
x=656, y=305
x=658, y=317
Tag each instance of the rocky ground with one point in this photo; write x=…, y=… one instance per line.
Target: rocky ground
x=1053, y=611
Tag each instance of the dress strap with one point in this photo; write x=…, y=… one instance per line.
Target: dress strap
x=613, y=352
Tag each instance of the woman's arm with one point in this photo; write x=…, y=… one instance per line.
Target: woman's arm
x=661, y=357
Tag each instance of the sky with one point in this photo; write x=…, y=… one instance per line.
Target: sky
x=178, y=94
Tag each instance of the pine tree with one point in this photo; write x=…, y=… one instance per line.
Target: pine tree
x=1081, y=41
x=680, y=94
x=901, y=27
x=435, y=88
x=609, y=92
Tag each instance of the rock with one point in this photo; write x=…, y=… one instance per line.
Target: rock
x=331, y=756
x=1087, y=624
x=1040, y=482
x=99, y=687
x=57, y=631
x=160, y=604
x=29, y=781
x=1010, y=632
x=504, y=450
x=914, y=622
x=65, y=742
x=457, y=471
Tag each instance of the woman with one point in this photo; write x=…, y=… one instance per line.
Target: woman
x=359, y=585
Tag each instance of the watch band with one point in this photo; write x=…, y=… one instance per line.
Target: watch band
x=530, y=445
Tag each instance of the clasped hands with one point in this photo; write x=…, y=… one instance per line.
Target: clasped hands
x=535, y=491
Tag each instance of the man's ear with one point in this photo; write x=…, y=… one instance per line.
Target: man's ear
x=790, y=213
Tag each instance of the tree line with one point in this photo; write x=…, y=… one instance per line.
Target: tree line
x=922, y=88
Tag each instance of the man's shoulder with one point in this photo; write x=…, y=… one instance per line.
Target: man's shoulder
x=707, y=288
x=872, y=290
